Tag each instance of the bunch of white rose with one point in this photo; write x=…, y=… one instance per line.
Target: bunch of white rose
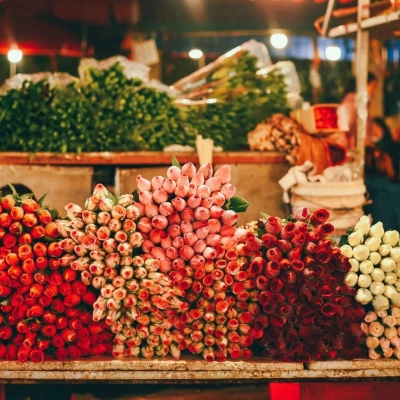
x=375, y=259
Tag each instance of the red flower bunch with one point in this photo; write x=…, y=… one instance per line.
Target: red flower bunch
x=311, y=313
x=45, y=309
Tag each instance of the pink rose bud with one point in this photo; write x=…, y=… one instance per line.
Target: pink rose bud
x=103, y=218
x=81, y=264
x=302, y=214
x=112, y=260
x=132, y=285
x=119, y=295
x=187, y=214
x=92, y=203
x=183, y=180
x=100, y=304
x=186, y=253
x=151, y=210
x=202, y=233
x=174, y=231
x=98, y=315
x=178, y=203
x=203, y=191
x=166, y=209
x=213, y=225
x=192, y=189
x=160, y=196
x=198, y=179
x=178, y=242
x=190, y=238
x=194, y=201
x=172, y=253
x=66, y=260
x=110, y=273
x=178, y=264
x=134, y=211
x=97, y=268
x=107, y=291
x=86, y=278
x=77, y=235
x=126, y=261
x=274, y=253
x=209, y=253
x=189, y=169
x=165, y=265
x=169, y=186
x=202, y=213
x=145, y=197
x=110, y=245
x=218, y=198
x=125, y=200
x=224, y=173
x=206, y=170
x=199, y=246
x=213, y=240
x=227, y=230
x=197, y=261
x=144, y=225
x=100, y=191
x=143, y=184
x=173, y=173
x=91, y=229
x=158, y=252
x=121, y=236
x=228, y=191
x=157, y=182
x=166, y=241
x=229, y=217
x=118, y=282
x=89, y=217
x=216, y=212
x=207, y=202
x=129, y=226
x=186, y=227
x=159, y=222
x=125, y=249
x=73, y=210
x=181, y=191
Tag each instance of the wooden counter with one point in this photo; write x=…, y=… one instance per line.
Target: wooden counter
x=136, y=158
x=191, y=369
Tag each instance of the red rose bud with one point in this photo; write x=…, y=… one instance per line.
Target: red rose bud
x=328, y=310
x=303, y=356
x=75, y=323
x=36, y=290
x=15, y=272
x=30, y=339
x=44, y=216
x=22, y=326
x=72, y=300
x=27, y=279
x=11, y=353
x=30, y=205
x=284, y=245
x=95, y=327
x=289, y=277
x=37, y=232
x=309, y=262
x=272, y=269
x=265, y=297
x=51, y=291
x=269, y=240
x=68, y=335
x=55, y=250
x=79, y=288
x=58, y=306
x=61, y=354
x=297, y=266
x=276, y=285
x=302, y=214
x=35, y=311
x=5, y=291
x=57, y=341
x=29, y=266
x=5, y=221
x=65, y=288
x=5, y=332
x=310, y=248
x=73, y=312
x=319, y=217
x=74, y=352
x=323, y=256
x=42, y=263
x=25, y=238
x=43, y=344
x=273, y=225
x=16, y=228
x=52, y=230
x=37, y=355
x=29, y=220
x=262, y=283
x=45, y=301
x=274, y=254
x=86, y=317
x=288, y=231
x=277, y=320
x=3, y=351
x=299, y=239
x=12, y=259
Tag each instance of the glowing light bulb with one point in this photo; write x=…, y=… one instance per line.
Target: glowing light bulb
x=333, y=53
x=14, y=56
x=195, y=54
x=279, y=40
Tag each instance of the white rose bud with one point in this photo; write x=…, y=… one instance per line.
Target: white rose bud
x=347, y=251
x=390, y=278
x=361, y=252
x=363, y=225
x=363, y=296
x=355, y=238
x=385, y=249
x=364, y=281
x=375, y=258
x=377, y=288
x=395, y=254
x=388, y=264
x=366, y=267
x=355, y=265
x=390, y=292
x=396, y=302
x=380, y=302
x=373, y=243
x=391, y=332
x=391, y=237
x=377, y=230
x=377, y=275
x=372, y=342
x=397, y=270
x=397, y=285
x=351, y=279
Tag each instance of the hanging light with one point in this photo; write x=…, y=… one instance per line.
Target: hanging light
x=279, y=40
x=14, y=55
x=333, y=53
x=195, y=54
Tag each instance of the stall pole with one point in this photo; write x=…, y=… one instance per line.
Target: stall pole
x=362, y=51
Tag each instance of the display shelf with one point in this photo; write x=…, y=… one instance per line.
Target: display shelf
x=191, y=369
x=135, y=158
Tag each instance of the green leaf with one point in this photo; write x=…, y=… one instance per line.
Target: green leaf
x=14, y=191
x=54, y=214
x=5, y=301
x=264, y=215
x=238, y=204
x=31, y=156
x=332, y=239
x=349, y=231
x=112, y=198
x=48, y=239
x=135, y=195
x=175, y=162
x=41, y=200
x=343, y=240
x=26, y=196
